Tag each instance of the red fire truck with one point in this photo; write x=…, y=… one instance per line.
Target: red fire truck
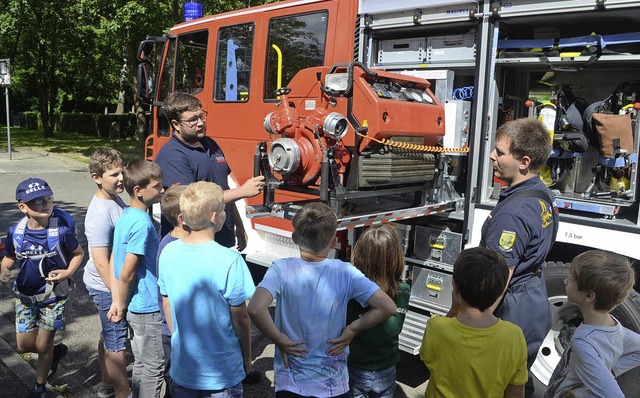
x=387, y=111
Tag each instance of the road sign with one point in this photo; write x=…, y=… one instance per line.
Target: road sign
x=5, y=72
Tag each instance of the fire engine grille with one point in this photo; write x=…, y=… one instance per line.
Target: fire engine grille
x=394, y=166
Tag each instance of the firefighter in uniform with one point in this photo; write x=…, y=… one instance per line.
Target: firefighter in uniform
x=522, y=227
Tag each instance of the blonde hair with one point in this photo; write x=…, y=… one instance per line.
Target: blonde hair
x=170, y=203
x=608, y=275
x=198, y=202
x=379, y=255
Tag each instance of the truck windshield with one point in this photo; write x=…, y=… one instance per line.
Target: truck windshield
x=295, y=42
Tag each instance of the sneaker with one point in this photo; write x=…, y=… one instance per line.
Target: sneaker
x=252, y=377
x=38, y=392
x=106, y=391
x=59, y=351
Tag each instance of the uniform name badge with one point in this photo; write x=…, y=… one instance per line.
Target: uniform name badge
x=507, y=239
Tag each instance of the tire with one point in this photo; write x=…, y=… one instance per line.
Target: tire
x=567, y=317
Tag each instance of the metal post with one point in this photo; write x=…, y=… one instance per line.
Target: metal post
x=6, y=94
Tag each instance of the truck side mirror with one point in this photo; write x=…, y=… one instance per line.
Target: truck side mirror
x=144, y=87
x=146, y=50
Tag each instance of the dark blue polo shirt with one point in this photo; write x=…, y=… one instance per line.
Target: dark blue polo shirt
x=521, y=229
x=183, y=164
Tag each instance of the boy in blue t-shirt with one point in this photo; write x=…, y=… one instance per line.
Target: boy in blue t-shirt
x=170, y=205
x=312, y=294
x=134, y=284
x=45, y=247
x=205, y=301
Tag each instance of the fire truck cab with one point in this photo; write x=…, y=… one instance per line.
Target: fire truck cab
x=387, y=111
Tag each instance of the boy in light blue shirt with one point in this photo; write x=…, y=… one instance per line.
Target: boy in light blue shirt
x=312, y=293
x=134, y=287
x=205, y=302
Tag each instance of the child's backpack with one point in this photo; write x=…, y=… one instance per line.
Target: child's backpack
x=59, y=218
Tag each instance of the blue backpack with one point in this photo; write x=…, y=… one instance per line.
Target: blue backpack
x=59, y=218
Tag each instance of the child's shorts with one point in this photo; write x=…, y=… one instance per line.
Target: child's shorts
x=114, y=334
x=30, y=317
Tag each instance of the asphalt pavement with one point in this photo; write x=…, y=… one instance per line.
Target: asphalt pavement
x=79, y=372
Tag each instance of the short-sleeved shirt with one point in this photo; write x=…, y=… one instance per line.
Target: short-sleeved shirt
x=311, y=305
x=183, y=164
x=30, y=280
x=596, y=356
x=134, y=233
x=521, y=229
x=99, y=224
x=202, y=282
x=168, y=238
x=472, y=362
x=377, y=348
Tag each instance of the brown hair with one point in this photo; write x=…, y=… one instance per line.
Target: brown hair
x=103, y=159
x=177, y=103
x=140, y=173
x=528, y=138
x=608, y=275
x=378, y=254
x=170, y=203
x=314, y=227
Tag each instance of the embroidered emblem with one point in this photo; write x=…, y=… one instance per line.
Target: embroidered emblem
x=545, y=215
x=507, y=239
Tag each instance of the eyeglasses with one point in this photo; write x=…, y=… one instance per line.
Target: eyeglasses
x=191, y=123
x=42, y=200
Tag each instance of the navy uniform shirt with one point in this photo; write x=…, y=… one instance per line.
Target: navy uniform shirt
x=521, y=229
x=183, y=164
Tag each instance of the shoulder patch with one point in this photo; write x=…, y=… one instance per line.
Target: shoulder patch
x=545, y=215
x=507, y=239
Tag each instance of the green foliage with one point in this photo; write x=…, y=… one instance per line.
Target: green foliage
x=29, y=120
x=77, y=146
x=116, y=126
x=77, y=56
x=107, y=126
x=83, y=123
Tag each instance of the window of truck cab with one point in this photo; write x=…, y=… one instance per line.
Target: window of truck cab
x=233, y=63
x=184, y=65
x=183, y=69
x=298, y=41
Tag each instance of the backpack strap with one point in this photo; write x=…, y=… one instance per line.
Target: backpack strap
x=53, y=243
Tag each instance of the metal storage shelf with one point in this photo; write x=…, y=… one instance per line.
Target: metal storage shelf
x=608, y=61
x=456, y=65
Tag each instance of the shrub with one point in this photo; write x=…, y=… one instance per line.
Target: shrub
x=82, y=123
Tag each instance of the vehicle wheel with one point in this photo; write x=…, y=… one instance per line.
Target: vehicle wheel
x=567, y=317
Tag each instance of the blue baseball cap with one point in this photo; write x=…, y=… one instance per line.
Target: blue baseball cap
x=31, y=189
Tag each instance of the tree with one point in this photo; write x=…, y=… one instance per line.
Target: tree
x=69, y=55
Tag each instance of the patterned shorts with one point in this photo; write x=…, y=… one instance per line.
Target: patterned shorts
x=50, y=317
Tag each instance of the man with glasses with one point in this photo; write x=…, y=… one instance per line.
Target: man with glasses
x=191, y=156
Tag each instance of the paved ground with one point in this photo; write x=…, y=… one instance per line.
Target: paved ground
x=79, y=373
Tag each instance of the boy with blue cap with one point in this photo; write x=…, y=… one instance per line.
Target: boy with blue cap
x=45, y=247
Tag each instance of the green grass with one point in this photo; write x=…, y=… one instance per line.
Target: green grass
x=73, y=145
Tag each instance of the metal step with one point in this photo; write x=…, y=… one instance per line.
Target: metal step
x=410, y=338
